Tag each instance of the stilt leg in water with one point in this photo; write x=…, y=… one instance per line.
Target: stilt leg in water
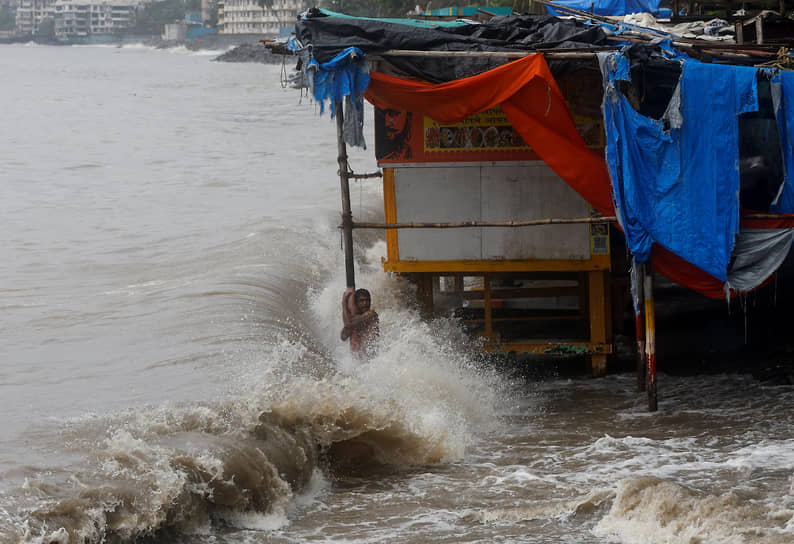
x=637, y=289
x=650, y=339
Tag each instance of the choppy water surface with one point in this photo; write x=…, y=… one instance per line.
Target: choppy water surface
x=171, y=370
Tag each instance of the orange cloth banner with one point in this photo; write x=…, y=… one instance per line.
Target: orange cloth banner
x=533, y=103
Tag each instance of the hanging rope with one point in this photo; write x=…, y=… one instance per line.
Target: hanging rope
x=284, y=78
x=784, y=60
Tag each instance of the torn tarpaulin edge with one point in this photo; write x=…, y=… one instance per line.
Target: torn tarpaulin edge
x=343, y=79
x=691, y=207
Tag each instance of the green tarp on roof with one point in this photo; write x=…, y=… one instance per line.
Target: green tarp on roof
x=411, y=22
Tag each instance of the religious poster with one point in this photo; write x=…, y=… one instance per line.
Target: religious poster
x=405, y=137
x=486, y=136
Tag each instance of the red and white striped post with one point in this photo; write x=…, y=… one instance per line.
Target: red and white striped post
x=637, y=289
x=650, y=338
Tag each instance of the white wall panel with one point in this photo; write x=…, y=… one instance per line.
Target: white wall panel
x=438, y=195
x=489, y=192
x=534, y=191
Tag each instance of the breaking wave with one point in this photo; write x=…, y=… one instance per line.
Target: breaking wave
x=654, y=511
x=246, y=460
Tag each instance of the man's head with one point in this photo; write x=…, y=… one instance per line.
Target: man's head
x=395, y=122
x=363, y=300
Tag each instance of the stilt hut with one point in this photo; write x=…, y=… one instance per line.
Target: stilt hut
x=512, y=150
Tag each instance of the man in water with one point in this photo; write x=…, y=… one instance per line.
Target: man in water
x=360, y=321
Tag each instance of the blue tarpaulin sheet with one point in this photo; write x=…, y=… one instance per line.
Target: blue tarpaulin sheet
x=612, y=7
x=344, y=75
x=783, y=94
x=678, y=185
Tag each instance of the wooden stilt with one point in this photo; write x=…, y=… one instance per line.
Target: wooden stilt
x=598, y=318
x=583, y=302
x=424, y=295
x=347, y=214
x=638, y=301
x=486, y=290
x=650, y=339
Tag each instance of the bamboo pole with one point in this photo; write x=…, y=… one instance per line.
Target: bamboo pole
x=347, y=214
x=650, y=338
x=589, y=54
x=526, y=223
x=468, y=224
x=352, y=175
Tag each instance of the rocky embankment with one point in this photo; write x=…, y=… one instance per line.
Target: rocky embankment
x=249, y=52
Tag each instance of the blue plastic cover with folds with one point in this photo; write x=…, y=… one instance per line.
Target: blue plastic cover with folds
x=679, y=185
x=612, y=7
x=345, y=75
x=783, y=95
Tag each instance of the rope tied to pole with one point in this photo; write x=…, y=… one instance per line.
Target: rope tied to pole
x=784, y=60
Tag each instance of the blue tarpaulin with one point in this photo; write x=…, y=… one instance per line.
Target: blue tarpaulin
x=612, y=7
x=678, y=185
x=783, y=95
x=342, y=79
x=344, y=75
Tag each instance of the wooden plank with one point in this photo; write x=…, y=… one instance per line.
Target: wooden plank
x=529, y=318
x=549, y=348
x=525, y=292
x=473, y=268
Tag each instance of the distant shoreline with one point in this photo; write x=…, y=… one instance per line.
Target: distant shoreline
x=241, y=47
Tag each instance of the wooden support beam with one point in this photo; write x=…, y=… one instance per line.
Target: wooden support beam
x=424, y=294
x=598, y=316
x=584, y=303
x=488, y=332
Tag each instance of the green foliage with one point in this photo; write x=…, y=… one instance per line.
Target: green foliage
x=399, y=8
x=374, y=8
x=46, y=29
x=153, y=16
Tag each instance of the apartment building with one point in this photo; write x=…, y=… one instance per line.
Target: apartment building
x=247, y=17
x=208, y=9
x=30, y=14
x=79, y=18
